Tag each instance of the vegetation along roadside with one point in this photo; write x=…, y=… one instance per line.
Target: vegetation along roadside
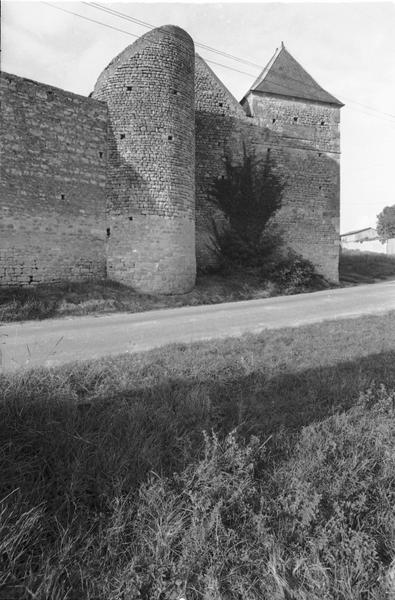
x=67, y=298
x=260, y=467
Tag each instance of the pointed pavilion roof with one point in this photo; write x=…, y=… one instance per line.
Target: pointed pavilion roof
x=284, y=76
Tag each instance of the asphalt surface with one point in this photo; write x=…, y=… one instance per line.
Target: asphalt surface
x=58, y=341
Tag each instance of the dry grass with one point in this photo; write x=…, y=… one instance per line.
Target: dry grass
x=47, y=301
x=365, y=267
x=110, y=489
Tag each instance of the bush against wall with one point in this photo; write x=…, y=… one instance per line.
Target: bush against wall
x=249, y=196
x=294, y=274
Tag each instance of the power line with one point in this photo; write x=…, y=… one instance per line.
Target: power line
x=119, y=14
x=368, y=107
x=377, y=116
x=213, y=62
x=285, y=76
x=382, y=115
x=91, y=20
x=134, y=35
x=209, y=48
x=127, y=17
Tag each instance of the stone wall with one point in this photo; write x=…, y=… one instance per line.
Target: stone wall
x=52, y=184
x=218, y=119
x=311, y=124
x=149, y=90
x=302, y=140
x=305, y=144
x=114, y=184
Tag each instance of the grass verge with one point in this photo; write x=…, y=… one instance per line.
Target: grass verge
x=71, y=298
x=110, y=489
x=365, y=267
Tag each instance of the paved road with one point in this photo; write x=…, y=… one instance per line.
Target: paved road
x=58, y=341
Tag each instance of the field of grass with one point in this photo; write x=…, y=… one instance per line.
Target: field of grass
x=111, y=489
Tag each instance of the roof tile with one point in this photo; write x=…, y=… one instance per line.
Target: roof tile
x=284, y=76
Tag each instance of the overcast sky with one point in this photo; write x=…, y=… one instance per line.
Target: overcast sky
x=348, y=48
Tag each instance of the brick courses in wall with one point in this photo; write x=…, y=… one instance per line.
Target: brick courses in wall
x=305, y=145
x=149, y=91
x=302, y=139
x=52, y=188
x=217, y=116
x=118, y=184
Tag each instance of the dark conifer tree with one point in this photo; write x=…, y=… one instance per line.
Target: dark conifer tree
x=249, y=195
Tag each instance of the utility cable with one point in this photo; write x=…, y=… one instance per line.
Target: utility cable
x=91, y=20
x=209, y=48
x=127, y=17
x=134, y=35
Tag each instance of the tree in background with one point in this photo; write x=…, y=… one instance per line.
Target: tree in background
x=386, y=223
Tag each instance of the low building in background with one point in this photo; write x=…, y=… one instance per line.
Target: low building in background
x=366, y=240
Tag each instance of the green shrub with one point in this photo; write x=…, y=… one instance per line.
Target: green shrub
x=248, y=241
x=237, y=253
x=293, y=273
x=249, y=195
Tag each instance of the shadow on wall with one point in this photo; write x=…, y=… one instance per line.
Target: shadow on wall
x=127, y=192
x=128, y=197
x=150, y=245
x=310, y=203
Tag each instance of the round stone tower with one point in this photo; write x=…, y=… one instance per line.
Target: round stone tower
x=149, y=90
